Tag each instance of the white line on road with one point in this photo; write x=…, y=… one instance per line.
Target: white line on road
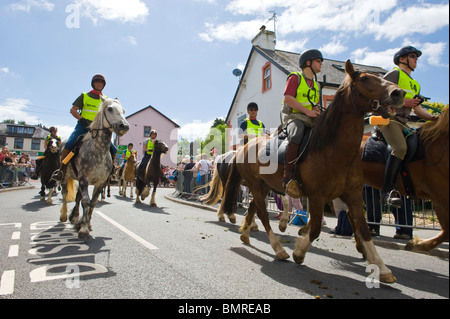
x=7, y=283
x=139, y=239
x=13, y=251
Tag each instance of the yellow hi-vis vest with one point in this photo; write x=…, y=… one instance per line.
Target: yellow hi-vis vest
x=254, y=129
x=150, y=146
x=90, y=107
x=411, y=86
x=128, y=154
x=304, y=90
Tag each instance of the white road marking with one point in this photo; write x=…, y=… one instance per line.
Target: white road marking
x=16, y=235
x=7, y=283
x=13, y=251
x=139, y=239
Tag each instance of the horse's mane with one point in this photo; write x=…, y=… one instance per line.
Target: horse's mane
x=97, y=122
x=328, y=123
x=433, y=130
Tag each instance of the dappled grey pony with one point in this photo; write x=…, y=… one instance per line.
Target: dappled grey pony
x=92, y=166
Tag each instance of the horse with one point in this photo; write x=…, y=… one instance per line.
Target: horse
x=93, y=165
x=152, y=174
x=106, y=190
x=50, y=163
x=331, y=169
x=128, y=175
x=429, y=177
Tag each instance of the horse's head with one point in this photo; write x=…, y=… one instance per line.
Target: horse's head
x=53, y=146
x=112, y=115
x=372, y=93
x=161, y=147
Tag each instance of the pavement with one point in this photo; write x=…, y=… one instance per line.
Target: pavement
x=386, y=238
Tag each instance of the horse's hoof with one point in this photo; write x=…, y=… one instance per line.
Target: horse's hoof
x=42, y=199
x=63, y=219
x=222, y=219
x=298, y=259
x=254, y=228
x=282, y=228
x=83, y=235
x=388, y=278
x=282, y=256
x=50, y=202
x=245, y=240
x=153, y=205
x=232, y=220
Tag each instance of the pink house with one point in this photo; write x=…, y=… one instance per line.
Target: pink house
x=145, y=120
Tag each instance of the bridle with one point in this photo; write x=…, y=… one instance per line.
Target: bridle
x=104, y=128
x=374, y=104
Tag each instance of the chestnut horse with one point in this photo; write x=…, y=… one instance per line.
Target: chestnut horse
x=331, y=169
x=429, y=176
x=128, y=175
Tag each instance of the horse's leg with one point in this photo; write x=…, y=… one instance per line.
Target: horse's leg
x=63, y=211
x=285, y=217
x=93, y=203
x=131, y=188
x=153, y=201
x=246, y=225
x=124, y=189
x=50, y=194
x=426, y=245
x=83, y=224
x=73, y=218
x=311, y=231
x=121, y=187
x=362, y=235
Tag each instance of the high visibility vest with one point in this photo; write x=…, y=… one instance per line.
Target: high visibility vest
x=128, y=154
x=254, y=129
x=150, y=146
x=304, y=90
x=411, y=86
x=90, y=107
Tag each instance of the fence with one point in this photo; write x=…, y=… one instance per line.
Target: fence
x=415, y=213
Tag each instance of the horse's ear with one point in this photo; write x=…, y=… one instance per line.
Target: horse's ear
x=349, y=69
x=103, y=98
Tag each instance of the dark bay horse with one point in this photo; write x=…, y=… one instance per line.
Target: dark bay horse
x=331, y=169
x=50, y=163
x=429, y=176
x=93, y=165
x=152, y=174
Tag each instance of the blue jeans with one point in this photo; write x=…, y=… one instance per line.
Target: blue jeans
x=77, y=132
x=403, y=216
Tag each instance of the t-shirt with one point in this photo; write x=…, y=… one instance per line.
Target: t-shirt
x=292, y=85
x=204, y=167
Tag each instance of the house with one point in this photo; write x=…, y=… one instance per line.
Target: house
x=23, y=138
x=264, y=79
x=141, y=123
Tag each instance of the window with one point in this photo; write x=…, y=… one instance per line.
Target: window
x=18, y=143
x=147, y=130
x=267, y=77
x=2, y=141
x=36, y=145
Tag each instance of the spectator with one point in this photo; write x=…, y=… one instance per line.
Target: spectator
x=403, y=216
x=187, y=173
x=203, y=170
x=8, y=166
x=371, y=198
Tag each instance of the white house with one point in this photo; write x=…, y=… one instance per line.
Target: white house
x=264, y=79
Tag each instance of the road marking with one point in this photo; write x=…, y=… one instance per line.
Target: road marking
x=7, y=283
x=139, y=239
x=13, y=251
x=15, y=235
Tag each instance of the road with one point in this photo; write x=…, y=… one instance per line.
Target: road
x=182, y=252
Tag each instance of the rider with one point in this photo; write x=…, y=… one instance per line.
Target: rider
x=251, y=127
x=148, y=149
x=300, y=109
x=126, y=155
x=53, y=134
x=84, y=109
x=406, y=60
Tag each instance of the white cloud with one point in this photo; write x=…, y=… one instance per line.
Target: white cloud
x=131, y=40
x=27, y=5
x=16, y=109
x=333, y=48
x=4, y=70
x=114, y=10
x=292, y=46
x=194, y=130
x=231, y=31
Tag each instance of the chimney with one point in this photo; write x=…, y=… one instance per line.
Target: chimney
x=265, y=39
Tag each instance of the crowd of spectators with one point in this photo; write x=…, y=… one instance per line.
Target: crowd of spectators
x=14, y=170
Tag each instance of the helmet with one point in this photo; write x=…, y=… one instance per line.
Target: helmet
x=98, y=77
x=309, y=55
x=253, y=106
x=53, y=129
x=405, y=51
x=153, y=132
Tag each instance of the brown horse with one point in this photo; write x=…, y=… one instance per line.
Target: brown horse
x=332, y=168
x=429, y=176
x=128, y=175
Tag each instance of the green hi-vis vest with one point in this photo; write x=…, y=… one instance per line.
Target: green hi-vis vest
x=150, y=146
x=303, y=90
x=90, y=107
x=254, y=129
x=411, y=86
x=128, y=154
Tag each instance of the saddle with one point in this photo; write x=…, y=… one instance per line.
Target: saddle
x=377, y=150
x=276, y=148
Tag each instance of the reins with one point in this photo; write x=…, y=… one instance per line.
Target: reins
x=374, y=104
x=103, y=115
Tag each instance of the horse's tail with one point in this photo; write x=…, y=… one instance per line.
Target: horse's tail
x=216, y=189
x=232, y=189
x=72, y=188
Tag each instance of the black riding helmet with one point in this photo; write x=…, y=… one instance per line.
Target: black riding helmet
x=405, y=51
x=309, y=55
x=98, y=77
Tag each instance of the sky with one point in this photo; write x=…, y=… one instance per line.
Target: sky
x=178, y=55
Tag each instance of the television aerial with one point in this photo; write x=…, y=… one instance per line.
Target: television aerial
x=237, y=73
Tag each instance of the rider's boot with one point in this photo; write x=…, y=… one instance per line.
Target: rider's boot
x=59, y=174
x=289, y=182
x=388, y=195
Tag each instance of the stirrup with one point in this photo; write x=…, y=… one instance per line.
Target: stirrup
x=57, y=176
x=293, y=189
x=393, y=199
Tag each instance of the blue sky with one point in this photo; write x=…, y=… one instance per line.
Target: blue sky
x=178, y=55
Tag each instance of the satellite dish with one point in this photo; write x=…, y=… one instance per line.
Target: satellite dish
x=237, y=72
